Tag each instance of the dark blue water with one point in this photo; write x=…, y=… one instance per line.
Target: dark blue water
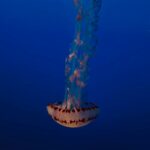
x=34, y=40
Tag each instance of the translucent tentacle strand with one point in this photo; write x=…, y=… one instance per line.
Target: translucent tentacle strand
x=83, y=47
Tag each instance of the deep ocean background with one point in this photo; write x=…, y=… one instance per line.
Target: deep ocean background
x=34, y=40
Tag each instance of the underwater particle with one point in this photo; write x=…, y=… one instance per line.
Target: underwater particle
x=74, y=111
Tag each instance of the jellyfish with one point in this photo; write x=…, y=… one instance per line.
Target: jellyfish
x=74, y=111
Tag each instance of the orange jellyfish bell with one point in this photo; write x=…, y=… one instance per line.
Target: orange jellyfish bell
x=74, y=117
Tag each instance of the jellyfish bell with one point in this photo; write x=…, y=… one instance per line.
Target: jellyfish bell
x=75, y=116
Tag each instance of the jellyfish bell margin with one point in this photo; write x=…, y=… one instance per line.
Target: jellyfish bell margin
x=75, y=117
